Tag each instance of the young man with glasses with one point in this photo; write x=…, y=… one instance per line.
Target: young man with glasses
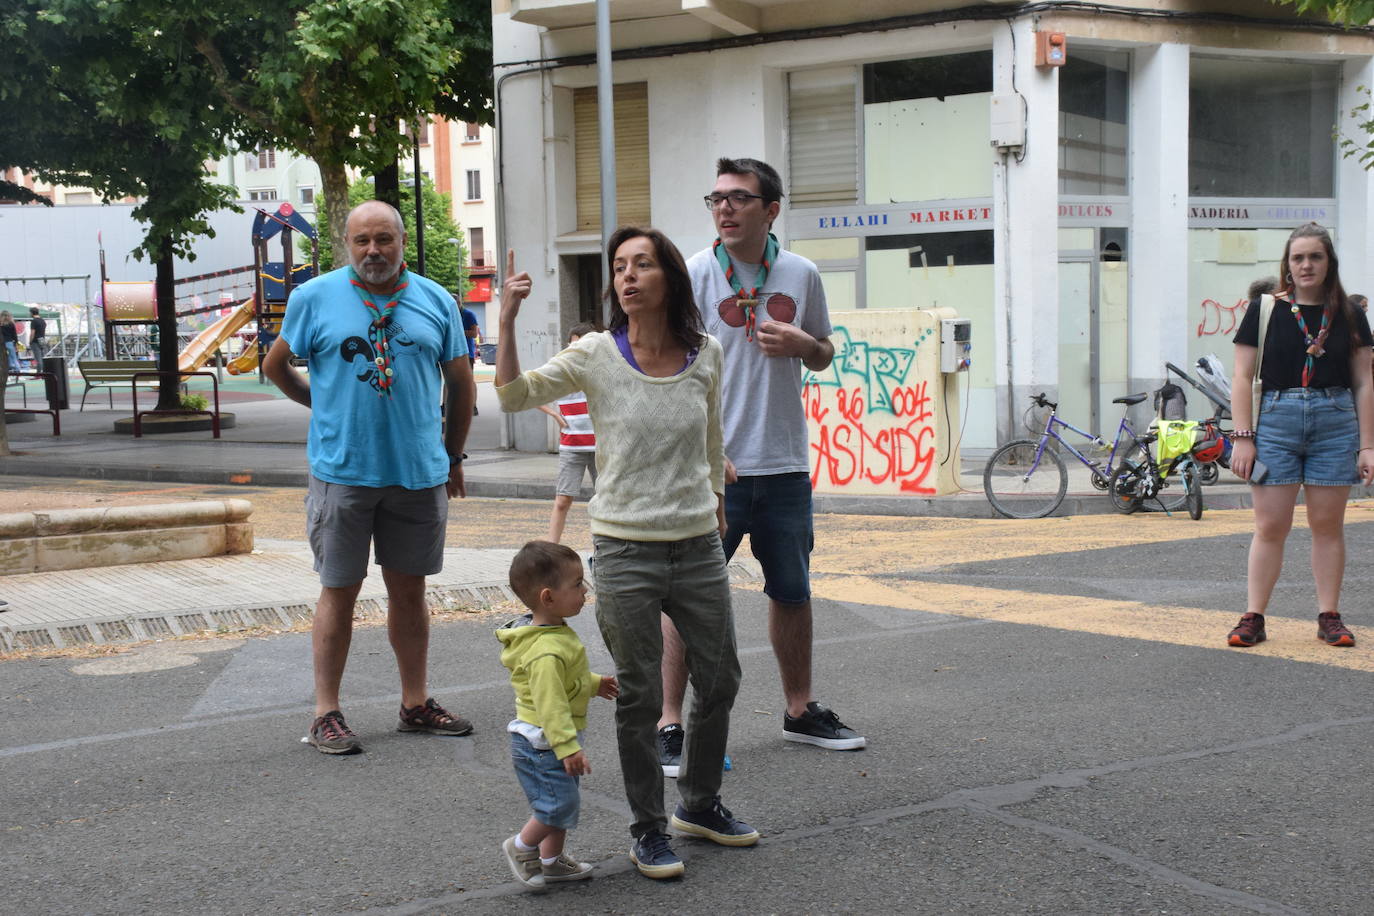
x=767, y=308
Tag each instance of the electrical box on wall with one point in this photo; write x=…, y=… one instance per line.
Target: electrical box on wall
x=1051, y=49
x=1008, y=122
x=956, y=345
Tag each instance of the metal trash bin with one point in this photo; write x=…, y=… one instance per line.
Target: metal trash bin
x=56, y=387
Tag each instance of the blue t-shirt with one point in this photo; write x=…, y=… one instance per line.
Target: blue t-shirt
x=469, y=323
x=358, y=437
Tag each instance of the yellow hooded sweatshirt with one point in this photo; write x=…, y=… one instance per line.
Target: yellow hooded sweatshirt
x=551, y=679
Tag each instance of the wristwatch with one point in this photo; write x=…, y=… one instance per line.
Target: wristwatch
x=456, y=459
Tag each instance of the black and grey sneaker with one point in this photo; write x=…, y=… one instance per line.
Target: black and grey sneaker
x=654, y=857
x=670, y=749
x=821, y=727
x=716, y=824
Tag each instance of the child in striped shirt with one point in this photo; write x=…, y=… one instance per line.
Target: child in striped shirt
x=576, y=446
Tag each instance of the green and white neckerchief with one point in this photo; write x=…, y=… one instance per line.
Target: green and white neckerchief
x=1316, y=343
x=747, y=301
x=379, y=329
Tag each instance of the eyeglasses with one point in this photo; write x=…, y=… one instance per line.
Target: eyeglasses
x=737, y=199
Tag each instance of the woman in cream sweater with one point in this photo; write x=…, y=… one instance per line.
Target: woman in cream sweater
x=653, y=392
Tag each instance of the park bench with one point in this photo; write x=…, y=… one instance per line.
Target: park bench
x=99, y=373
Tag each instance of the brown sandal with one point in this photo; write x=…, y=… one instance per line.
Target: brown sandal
x=434, y=719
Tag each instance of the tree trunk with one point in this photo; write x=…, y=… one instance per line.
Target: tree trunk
x=334, y=177
x=168, y=391
x=388, y=184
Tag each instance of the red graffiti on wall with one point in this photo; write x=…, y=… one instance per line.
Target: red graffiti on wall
x=851, y=444
x=1214, y=315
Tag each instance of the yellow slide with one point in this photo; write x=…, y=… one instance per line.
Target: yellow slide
x=247, y=361
x=200, y=350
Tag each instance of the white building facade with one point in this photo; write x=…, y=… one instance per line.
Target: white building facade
x=1094, y=220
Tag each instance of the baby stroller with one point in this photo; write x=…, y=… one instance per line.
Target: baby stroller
x=1212, y=447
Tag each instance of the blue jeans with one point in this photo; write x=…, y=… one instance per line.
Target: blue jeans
x=552, y=793
x=775, y=511
x=1310, y=436
x=12, y=350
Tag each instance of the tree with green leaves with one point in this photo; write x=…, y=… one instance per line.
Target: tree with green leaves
x=98, y=94
x=335, y=80
x=444, y=261
x=1346, y=12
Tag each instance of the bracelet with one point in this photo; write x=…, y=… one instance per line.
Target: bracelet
x=456, y=459
x=1243, y=434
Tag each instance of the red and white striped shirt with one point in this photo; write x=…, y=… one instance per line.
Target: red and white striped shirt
x=577, y=436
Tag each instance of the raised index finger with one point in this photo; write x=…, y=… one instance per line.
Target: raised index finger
x=510, y=262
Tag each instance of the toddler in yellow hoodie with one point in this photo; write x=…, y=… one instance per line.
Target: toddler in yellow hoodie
x=553, y=684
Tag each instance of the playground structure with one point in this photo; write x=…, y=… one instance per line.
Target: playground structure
x=274, y=280
x=134, y=303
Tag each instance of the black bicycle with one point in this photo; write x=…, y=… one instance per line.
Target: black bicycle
x=1142, y=479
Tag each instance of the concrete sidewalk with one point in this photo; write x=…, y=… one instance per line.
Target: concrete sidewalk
x=274, y=586
x=266, y=447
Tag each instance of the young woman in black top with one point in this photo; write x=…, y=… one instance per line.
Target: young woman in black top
x=1315, y=430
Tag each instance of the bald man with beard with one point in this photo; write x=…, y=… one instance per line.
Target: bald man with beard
x=381, y=345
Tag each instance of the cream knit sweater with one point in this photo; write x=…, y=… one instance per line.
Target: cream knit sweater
x=659, y=455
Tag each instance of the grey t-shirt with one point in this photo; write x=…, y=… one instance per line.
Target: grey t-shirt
x=761, y=409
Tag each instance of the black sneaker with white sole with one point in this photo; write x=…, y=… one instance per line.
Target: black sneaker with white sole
x=670, y=749
x=714, y=823
x=655, y=858
x=821, y=727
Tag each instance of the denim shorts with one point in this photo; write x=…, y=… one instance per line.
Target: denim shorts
x=1308, y=435
x=405, y=527
x=775, y=511
x=552, y=793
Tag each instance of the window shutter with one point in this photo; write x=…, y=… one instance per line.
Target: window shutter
x=631, y=155
x=823, y=136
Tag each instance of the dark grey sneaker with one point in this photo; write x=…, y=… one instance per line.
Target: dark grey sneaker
x=654, y=857
x=331, y=735
x=670, y=749
x=821, y=727
x=716, y=824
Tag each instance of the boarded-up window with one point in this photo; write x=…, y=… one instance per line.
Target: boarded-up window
x=631, y=156
x=823, y=147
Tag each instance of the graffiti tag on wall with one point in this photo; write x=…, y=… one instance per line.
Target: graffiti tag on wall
x=1220, y=319
x=872, y=418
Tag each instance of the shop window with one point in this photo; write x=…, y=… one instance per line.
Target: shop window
x=926, y=128
x=1093, y=105
x=1261, y=128
x=631, y=102
x=943, y=249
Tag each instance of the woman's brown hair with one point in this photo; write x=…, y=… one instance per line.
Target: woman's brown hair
x=684, y=319
x=1332, y=290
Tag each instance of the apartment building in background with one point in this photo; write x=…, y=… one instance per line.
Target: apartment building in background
x=1093, y=186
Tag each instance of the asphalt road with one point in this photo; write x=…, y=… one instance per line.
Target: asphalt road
x=1054, y=724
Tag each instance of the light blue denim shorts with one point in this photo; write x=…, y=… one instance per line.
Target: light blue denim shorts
x=552, y=793
x=1310, y=436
